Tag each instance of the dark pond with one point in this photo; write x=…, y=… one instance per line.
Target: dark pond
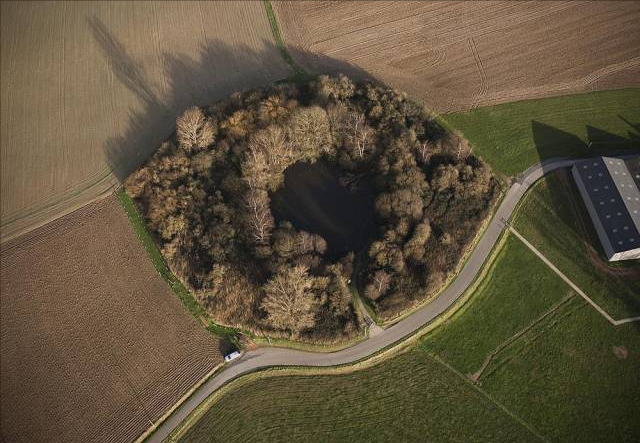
x=314, y=199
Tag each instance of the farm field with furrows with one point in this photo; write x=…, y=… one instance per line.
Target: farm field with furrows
x=90, y=89
x=95, y=346
x=460, y=55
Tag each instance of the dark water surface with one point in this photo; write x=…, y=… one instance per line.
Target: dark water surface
x=314, y=200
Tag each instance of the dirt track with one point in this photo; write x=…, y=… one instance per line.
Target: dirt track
x=94, y=345
x=460, y=54
x=92, y=87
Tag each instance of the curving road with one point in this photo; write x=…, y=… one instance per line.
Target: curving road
x=265, y=357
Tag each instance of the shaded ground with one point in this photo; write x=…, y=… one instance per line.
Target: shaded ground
x=94, y=344
x=314, y=199
x=81, y=80
x=513, y=136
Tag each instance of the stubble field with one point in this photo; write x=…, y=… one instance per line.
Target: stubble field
x=90, y=89
x=95, y=346
x=458, y=55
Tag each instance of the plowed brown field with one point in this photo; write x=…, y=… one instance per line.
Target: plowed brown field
x=94, y=346
x=457, y=55
x=88, y=89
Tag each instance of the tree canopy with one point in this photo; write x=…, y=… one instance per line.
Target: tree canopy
x=205, y=196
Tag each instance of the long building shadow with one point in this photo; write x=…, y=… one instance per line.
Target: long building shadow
x=218, y=70
x=566, y=201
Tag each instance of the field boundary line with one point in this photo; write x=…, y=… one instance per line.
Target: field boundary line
x=569, y=282
x=177, y=404
x=279, y=40
x=485, y=395
x=489, y=358
x=560, y=316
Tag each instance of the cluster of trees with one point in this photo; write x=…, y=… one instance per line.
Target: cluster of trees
x=205, y=195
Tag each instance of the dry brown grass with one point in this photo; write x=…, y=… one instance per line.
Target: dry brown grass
x=94, y=344
x=90, y=88
x=460, y=54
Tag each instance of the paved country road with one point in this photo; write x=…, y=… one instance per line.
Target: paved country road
x=265, y=357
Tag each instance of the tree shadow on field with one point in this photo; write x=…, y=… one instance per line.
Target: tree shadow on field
x=569, y=208
x=218, y=71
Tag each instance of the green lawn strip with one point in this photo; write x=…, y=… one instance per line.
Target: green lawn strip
x=184, y=295
x=518, y=288
x=567, y=381
x=149, y=244
x=408, y=398
x=552, y=217
x=299, y=72
x=507, y=138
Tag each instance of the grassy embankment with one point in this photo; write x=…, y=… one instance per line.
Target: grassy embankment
x=513, y=136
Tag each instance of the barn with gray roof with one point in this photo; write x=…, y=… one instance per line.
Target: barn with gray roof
x=610, y=190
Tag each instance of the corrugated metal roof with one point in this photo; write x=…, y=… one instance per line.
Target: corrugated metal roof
x=633, y=165
x=616, y=199
x=627, y=187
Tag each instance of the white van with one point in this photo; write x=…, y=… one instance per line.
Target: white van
x=232, y=356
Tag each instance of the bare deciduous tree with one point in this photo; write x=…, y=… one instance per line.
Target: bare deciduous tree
x=259, y=217
x=463, y=149
x=309, y=131
x=231, y=296
x=194, y=129
x=273, y=143
x=378, y=286
x=359, y=134
x=289, y=300
x=424, y=151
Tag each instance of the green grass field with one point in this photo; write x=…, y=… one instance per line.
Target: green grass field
x=554, y=219
x=513, y=136
x=505, y=302
x=409, y=398
x=566, y=381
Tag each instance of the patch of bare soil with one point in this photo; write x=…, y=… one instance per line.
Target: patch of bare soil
x=621, y=352
x=94, y=345
x=457, y=55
